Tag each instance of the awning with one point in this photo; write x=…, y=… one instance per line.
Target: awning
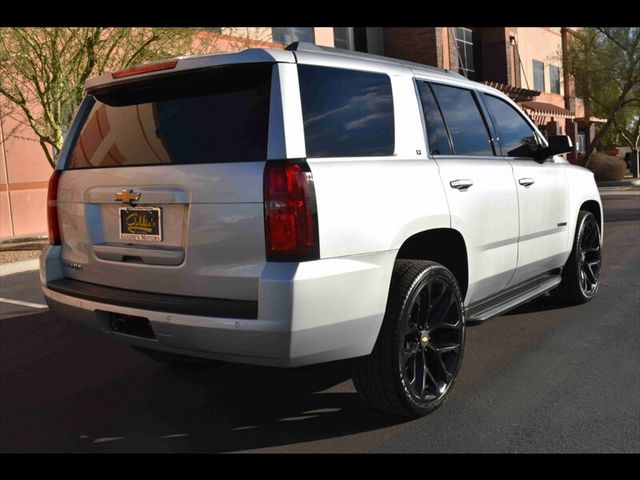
x=517, y=94
x=539, y=109
x=590, y=120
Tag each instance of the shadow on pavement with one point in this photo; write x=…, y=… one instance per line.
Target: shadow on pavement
x=89, y=393
x=252, y=407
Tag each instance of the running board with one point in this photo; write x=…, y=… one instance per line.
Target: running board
x=512, y=298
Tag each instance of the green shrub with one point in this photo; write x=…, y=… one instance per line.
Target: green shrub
x=606, y=168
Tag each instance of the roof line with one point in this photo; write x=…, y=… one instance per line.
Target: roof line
x=313, y=48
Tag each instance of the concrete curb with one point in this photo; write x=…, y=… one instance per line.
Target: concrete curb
x=18, y=267
x=630, y=182
x=23, y=238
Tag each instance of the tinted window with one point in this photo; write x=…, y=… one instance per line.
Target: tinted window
x=217, y=116
x=468, y=131
x=436, y=131
x=346, y=113
x=517, y=137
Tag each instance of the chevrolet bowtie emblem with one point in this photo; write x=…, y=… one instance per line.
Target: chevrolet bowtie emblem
x=127, y=196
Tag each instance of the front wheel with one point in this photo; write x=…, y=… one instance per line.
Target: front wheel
x=581, y=273
x=418, y=354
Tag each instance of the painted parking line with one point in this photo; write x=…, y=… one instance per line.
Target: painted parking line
x=24, y=304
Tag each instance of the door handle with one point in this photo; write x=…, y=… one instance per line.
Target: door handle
x=526, y=181
x=461, y=184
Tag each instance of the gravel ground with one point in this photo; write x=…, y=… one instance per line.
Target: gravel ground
x=21, y=250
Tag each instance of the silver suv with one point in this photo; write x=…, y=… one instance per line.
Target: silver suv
x=299, y=206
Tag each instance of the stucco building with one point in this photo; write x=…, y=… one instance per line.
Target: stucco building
x=525, y=63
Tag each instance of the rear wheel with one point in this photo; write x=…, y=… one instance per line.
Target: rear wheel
x=581, y=273
x=418, y=354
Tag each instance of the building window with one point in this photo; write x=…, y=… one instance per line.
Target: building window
x=581, y=141
x=343, y=37
x=464, y=38
x=554, y=78
x=287, y=35
x=538, y=76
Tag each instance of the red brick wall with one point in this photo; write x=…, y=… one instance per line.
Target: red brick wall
x=420, y=44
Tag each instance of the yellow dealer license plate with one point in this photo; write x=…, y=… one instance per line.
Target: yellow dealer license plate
x=141, y=223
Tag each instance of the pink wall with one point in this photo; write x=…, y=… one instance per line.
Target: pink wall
x=24, y=174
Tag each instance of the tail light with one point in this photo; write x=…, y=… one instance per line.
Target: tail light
x=291, y=219
x=52, y=208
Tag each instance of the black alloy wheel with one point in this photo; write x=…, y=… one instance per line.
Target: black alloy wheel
x=431, y=340
x=590, y=256
x=419, y=350
x=581, y=273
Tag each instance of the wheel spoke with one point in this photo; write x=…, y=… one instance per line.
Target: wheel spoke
x=424, y=299
x=440, y=309
x=433, y=381
x=441, y=349
x=420, y=375
x=589, y=274
x=410, y=350
x=412, y=325
x=594, y=238
x=444, y=367
x=592, y=256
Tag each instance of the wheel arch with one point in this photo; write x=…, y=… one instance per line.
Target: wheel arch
x=443, y=245
x=593, y=207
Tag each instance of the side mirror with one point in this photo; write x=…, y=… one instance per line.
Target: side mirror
x=558, y=144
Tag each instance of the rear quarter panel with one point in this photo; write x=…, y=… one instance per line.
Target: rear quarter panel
x=373, y=204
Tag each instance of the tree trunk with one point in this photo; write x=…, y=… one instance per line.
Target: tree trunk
x=605, y=128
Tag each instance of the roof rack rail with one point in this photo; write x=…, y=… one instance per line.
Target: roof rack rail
x=313, y=48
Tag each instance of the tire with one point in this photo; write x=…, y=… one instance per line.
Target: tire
x=389, y=379
x=580, y=275
x=180, y=362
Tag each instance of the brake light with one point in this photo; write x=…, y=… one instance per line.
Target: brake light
x=291, y=220
x=151, y=67
x=52, y=208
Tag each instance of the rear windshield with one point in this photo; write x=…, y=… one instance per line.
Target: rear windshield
x=215, y=116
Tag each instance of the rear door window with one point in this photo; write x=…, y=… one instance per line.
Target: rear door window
x=216, y=116
x=468, y=130
x=436, y=130
x=346, y=113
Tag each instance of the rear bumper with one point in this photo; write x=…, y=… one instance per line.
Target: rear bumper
x=310, y=312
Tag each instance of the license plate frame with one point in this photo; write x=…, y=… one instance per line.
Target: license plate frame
x=147, y=227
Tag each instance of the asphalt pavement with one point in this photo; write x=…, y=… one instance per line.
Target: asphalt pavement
x=543, y=378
